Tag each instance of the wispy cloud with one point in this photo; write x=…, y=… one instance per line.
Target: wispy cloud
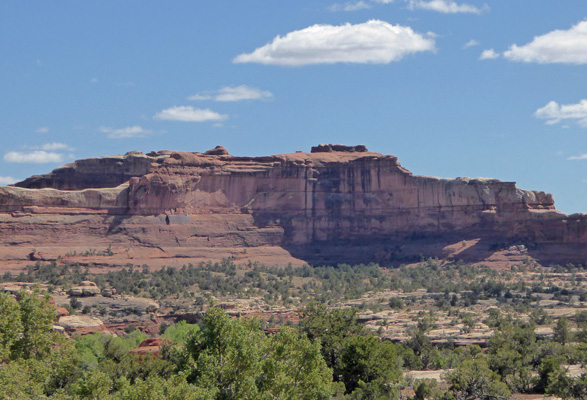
x=233, y=93
x=7, y=180
x=471, y=43
x=42, y=129
x=135, y=131
x=488, y=55
x=94, y=80
x=579, y=157
x=189, y=114
x=559, y=46
x=350, y=6
x=446, y=6
x=374, y=42
x=33, y=157
x=554, y=113
x=54, y=146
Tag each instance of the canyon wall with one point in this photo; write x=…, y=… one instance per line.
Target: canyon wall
x=334, y=204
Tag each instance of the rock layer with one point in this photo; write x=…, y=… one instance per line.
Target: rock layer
x=337, y=203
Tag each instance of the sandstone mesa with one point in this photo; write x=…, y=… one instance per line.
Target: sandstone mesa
x=335, y=204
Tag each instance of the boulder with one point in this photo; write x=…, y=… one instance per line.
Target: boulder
x=90, y=291
x=81, y=323
x=217, y=151
x=62, y=312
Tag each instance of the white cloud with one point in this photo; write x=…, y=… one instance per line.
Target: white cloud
x=124, y=133
x=34, y=157
x=189, y=114
x=42, y=129
x=555, y=113
x=7, y=180
x=382, y=1
x=94, y=80
x=53, y=146
x=471, y=43
x=375, y=42
x=566, y=47
x=350, y=6
x=579, y=157
x=236, y=93
x=446, y=6
x=488, y=55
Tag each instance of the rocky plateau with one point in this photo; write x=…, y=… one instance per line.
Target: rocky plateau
x=334, y=204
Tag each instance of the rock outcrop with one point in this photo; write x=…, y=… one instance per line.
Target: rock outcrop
x=335, y=204
x=81, y=324
x=151, y=346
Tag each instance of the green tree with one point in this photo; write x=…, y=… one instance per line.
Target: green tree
x=565, y=387
x=157, y=388
x=233, y=359
x=330, y=328
x=396, y=303
x=549, y=371
x=224, y=356
x=32, y=352
x=369, y=363
x=36, y=336
x=421, y=346
x=473, y=379
x=561, y=331
x=513, y=353
x=11, y=326
x=293, y=368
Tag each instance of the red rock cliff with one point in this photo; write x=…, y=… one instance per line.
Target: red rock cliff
x=346, y=199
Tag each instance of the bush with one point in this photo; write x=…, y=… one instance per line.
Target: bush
x=396, y=303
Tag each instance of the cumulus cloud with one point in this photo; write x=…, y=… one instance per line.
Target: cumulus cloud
x=350, y=6
x=471, y=43
x=558, y=46
x=554, y=113
x=33, y=157
x=374, y=42
x=189, y=114
x=579, y=157
x=124, y=133
x=446, y=6
x=488, y=55
x=236, y=93
x=7, y=180
x=42, y=129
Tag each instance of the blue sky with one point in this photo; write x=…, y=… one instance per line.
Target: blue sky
x=452, y=88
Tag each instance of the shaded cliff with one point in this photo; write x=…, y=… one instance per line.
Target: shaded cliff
x=337, y=203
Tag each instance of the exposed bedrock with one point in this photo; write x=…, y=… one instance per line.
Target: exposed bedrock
x=102, y=172
x=336, y=203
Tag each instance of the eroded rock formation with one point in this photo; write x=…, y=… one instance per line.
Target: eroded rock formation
x=337, y=203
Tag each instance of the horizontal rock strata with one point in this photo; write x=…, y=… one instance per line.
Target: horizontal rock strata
x=337, y=203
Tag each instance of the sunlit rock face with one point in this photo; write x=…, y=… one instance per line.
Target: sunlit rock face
x=339, y=201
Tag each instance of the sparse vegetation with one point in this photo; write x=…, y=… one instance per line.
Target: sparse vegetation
x=356, y=363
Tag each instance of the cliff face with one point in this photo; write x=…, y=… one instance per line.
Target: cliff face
x=323, y=206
